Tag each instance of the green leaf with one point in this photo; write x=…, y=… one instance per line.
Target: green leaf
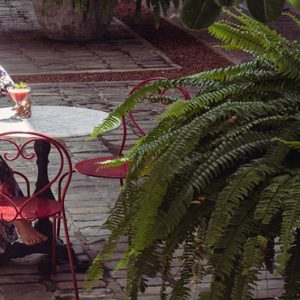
x=290, y=222
x=199, y=14
x=293, y=17
x=271, y=199
x=265, y=10
x=20, y=85
x=229, y=247
x=295, y=3
x=292, y=280
x=253, y=255
x=241, y=184
x=291, y=144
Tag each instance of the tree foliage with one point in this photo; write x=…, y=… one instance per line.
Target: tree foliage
x=199, y=14
x=196, y=14
x=220, y=185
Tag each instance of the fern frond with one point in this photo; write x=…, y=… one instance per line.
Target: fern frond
x=142, y=267
x=148, y=206
x=196, y=104
x=240, y=185
x=292, y=272
x=290, y=221
x=118, y=223
x=253, y=69
x=205, y=101
x=229, y=248
x=180, y=291
x=155, y=143
x=166, y=274
x=113, y=119
x=251, y=24
x=253, y=37
x=238, y=38
x=253, y=255
x=293, y=17
x=291, y=144
x=182, y=145
x=259, y=123
x=178, y=105
x=272, y=198
x=199, y=180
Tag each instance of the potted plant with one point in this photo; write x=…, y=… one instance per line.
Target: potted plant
x=220, y=185
x=74, y=20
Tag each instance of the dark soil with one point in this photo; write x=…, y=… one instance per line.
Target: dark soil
x=182, y=48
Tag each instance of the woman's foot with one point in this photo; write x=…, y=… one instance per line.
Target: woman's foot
x=28, y=234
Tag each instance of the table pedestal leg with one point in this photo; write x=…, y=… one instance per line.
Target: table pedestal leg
x=42, y=150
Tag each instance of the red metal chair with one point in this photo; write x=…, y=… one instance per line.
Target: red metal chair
x=35, y=206
x=89, y=167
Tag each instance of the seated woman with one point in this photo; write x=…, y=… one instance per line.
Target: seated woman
x=8, y=185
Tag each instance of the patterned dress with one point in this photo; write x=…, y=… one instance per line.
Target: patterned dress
x=5, y=81
x=8, y=184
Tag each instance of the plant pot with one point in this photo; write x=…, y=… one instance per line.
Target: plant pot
x=61, y=21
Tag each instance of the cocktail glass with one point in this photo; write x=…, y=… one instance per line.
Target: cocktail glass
x=18, y=95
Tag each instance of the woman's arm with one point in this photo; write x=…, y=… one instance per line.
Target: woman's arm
x=5, y=81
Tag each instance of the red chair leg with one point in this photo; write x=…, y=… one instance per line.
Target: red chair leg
x=58, y=226
x=54, y=245
x=70, y=256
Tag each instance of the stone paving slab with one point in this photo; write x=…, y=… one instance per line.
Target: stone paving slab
x=25, y=51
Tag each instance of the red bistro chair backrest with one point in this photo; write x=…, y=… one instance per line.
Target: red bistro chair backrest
x=18, y=145
x=89, y=166
x=182, y=90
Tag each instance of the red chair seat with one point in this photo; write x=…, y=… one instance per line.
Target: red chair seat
x=37, y=208
x=34, y=148
x=90, y=167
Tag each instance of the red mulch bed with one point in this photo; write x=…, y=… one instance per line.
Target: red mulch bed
x=182, y=48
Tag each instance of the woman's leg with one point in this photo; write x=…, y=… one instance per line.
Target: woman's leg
x=9, y=186
x=28, y=234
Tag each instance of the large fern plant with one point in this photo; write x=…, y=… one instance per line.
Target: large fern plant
x=220, y=186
